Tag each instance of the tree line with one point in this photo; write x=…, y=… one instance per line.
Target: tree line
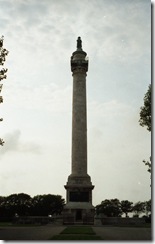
x=45, y=205
x=116, y=208
x=24, y=205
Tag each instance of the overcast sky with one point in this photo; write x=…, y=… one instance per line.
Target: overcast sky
x=37, y=110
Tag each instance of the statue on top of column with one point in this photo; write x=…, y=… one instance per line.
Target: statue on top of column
x=79, y=43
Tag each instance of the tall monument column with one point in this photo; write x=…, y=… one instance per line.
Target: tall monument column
x=78, y=206
x=79, y=67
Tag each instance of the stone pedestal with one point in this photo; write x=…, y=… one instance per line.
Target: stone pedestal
x=79, y=206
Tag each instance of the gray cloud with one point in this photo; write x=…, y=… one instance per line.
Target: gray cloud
x=14, y=143
x=49, y=97
x=53, y=25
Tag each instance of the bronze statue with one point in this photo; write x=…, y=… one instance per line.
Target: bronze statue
x=79, y=43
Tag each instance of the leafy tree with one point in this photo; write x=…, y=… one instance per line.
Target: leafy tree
x=44, y=205
x=18, y=204
x=3, y=54
x=148, y=163
x=145, y=119
x=148, y=207
x=139, y=208
x=2, y=201
x=110, y=208
x=145, y=112
x=3, y=211
x=126, y=207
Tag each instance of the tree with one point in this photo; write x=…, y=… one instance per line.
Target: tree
x=126, y=207
x=3, y=54
x=147, y=163
x=15, y=204
x=19, y=204
x=145, y=119
x=110, y=208
x=138, y=208
x=44, y=205
x=145, y=113
x=148, y=207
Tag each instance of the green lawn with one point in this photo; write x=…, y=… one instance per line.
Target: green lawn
x=77, y=233
x=76, y=237
x=9, y=224
x=5, y=224
x=78, y=230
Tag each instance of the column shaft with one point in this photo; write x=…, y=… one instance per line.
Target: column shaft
x=79, y=124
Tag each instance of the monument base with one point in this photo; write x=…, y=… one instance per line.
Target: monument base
x=78, y=213
x=79, y=208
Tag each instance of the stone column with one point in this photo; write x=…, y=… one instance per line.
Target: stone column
x=79, y=67
x=79, y=187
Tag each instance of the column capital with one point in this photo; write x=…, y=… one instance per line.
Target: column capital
x=78, y=65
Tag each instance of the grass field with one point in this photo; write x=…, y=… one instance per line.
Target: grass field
x=75, y=237
x=9, y=224
x=78, y=230
x=77, y=233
